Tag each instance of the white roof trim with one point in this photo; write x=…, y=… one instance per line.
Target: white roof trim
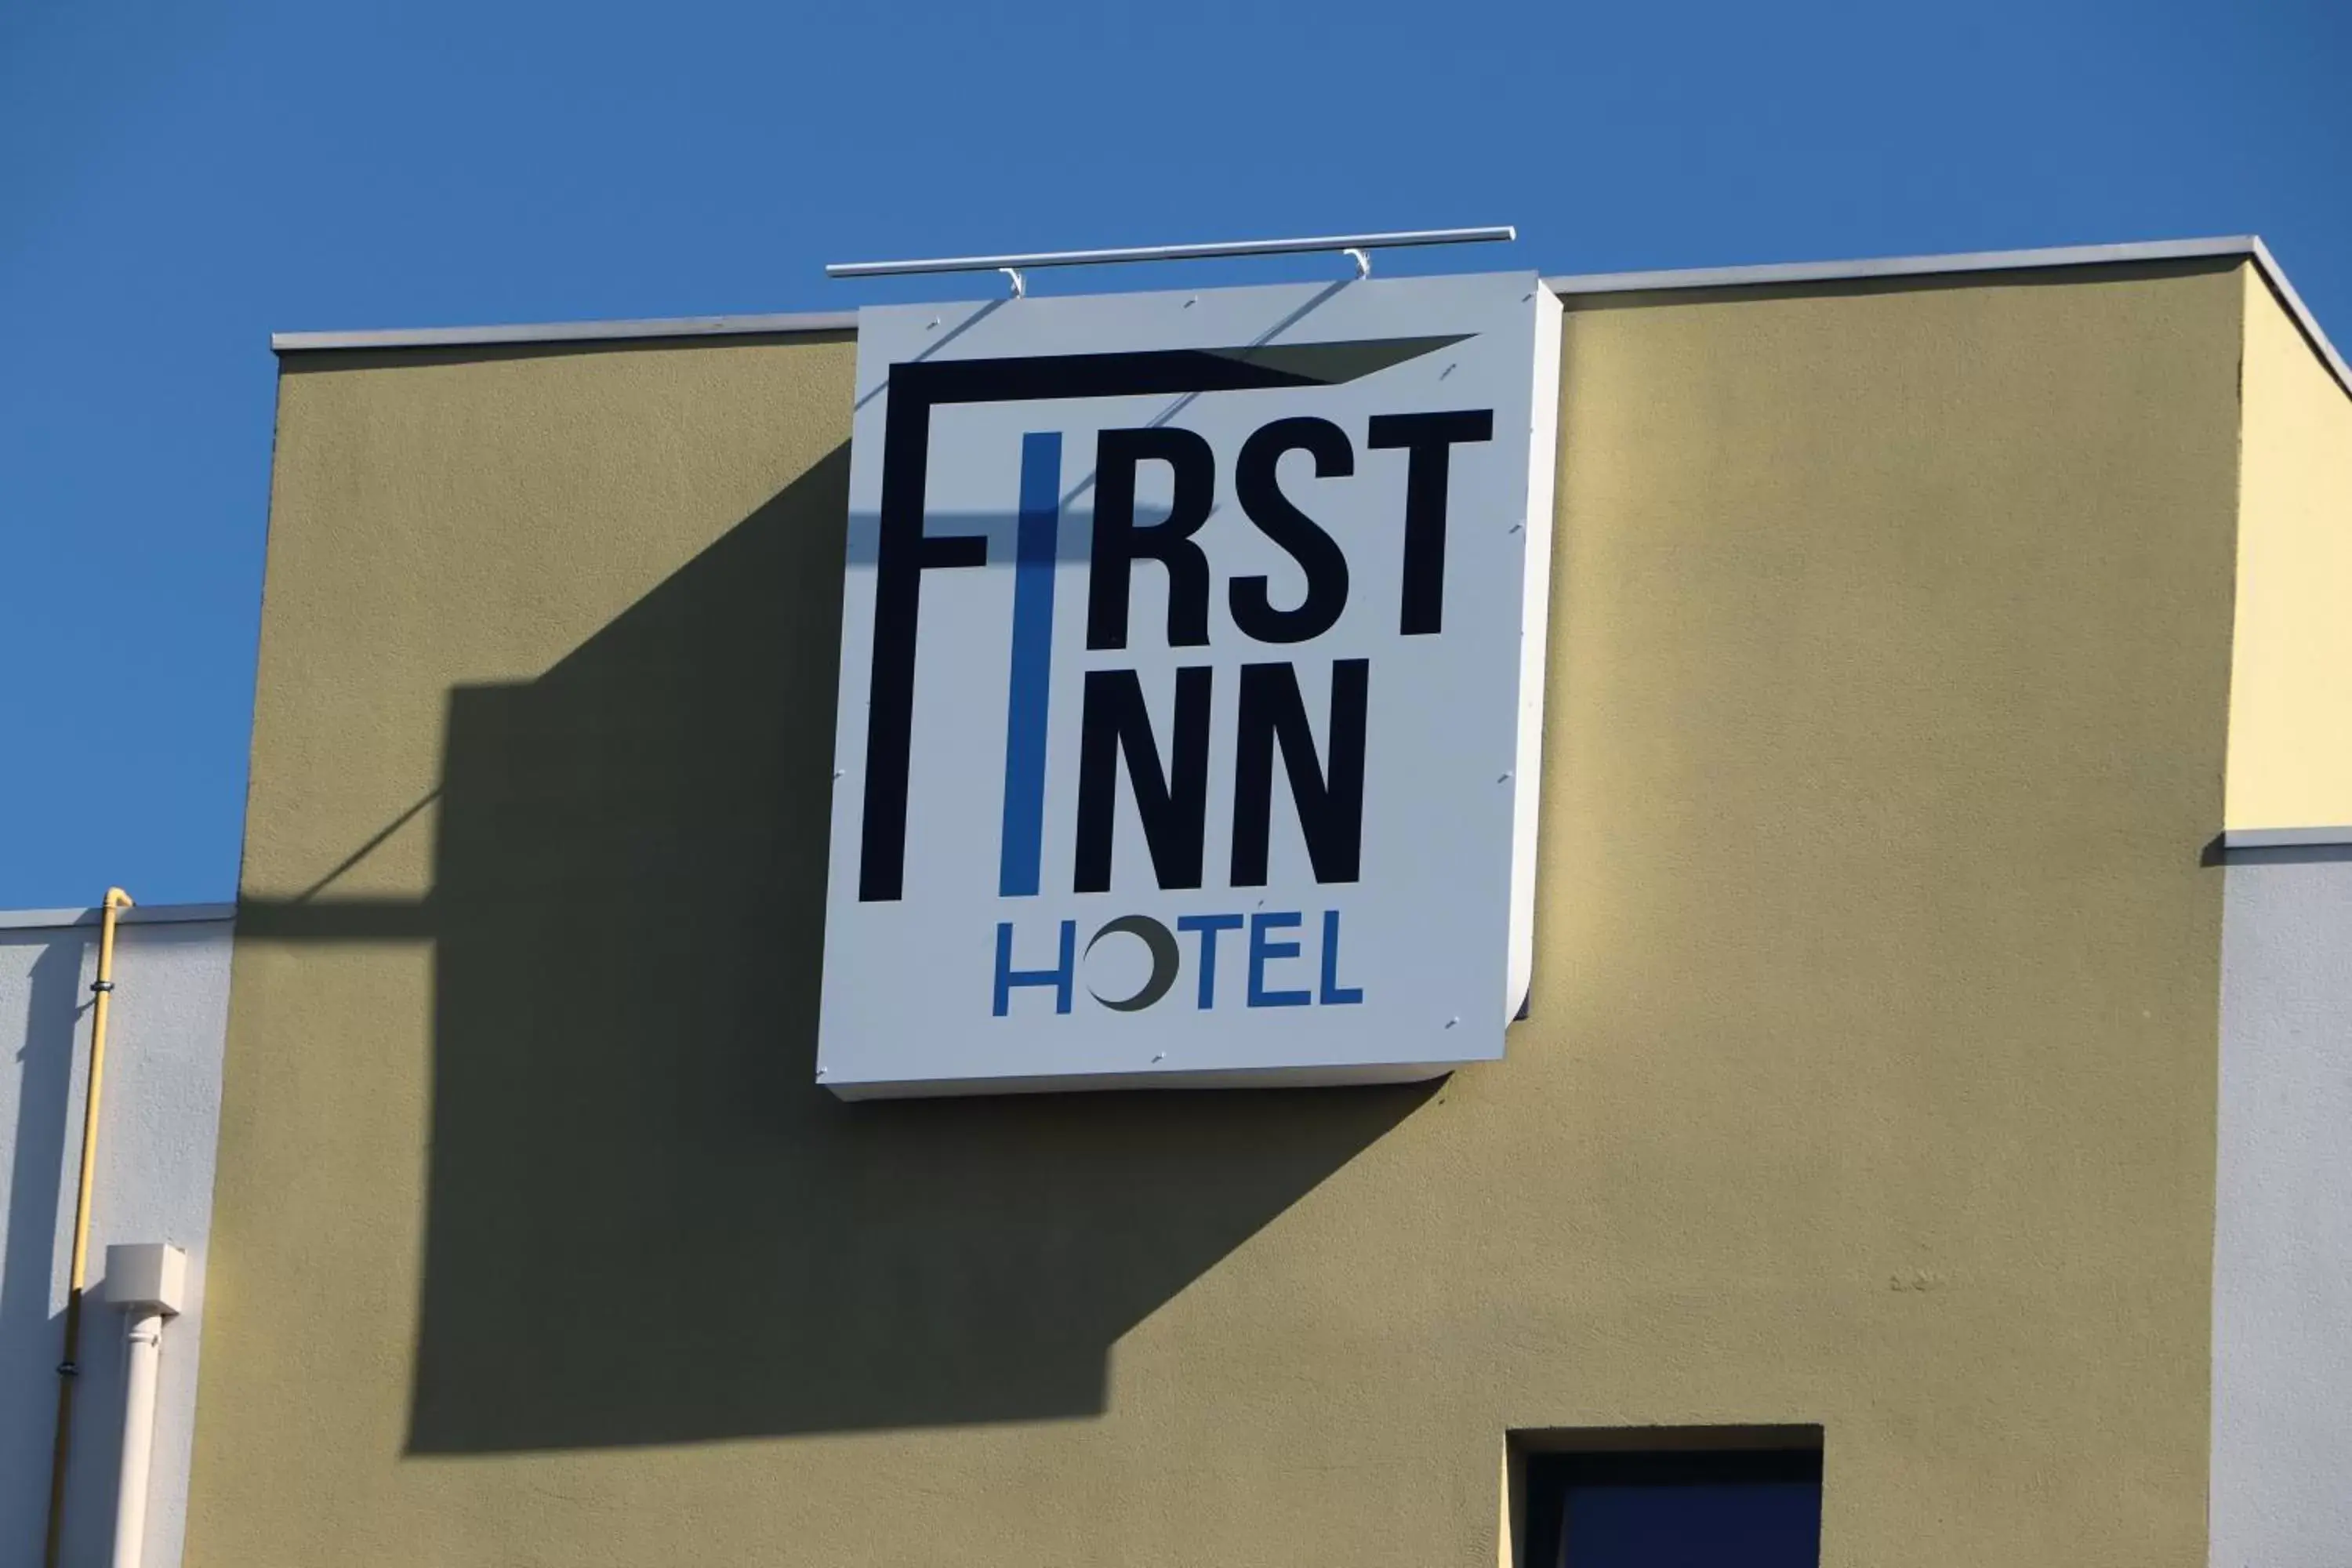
x=138, y=914
x=2238, y=245
x=2285, y=837
x=1905, y=266
x=569, y=332
x=2275, y=276
x=2242, y=244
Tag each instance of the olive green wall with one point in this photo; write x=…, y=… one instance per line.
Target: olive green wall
x=1869, y=1080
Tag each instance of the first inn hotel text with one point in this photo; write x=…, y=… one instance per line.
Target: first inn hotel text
x=1639, y=922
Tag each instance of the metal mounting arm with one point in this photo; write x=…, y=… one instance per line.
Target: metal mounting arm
x=1357, y=247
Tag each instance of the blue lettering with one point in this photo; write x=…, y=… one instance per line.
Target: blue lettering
x=1059, y=978
x=1262, y=952
x=1210, y=927
x=1333, y=994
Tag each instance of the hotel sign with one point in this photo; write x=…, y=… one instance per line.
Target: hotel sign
x=1192, y=687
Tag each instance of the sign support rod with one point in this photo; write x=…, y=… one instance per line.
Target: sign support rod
x=1357, y=247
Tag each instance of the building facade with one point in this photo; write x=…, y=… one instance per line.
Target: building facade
x=160, y=1108
x=1930, y=1090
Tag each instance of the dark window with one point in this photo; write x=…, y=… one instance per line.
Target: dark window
x=1690, y=1509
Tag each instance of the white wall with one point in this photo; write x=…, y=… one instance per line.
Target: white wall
x=2282, y=1479
x=158, y=1118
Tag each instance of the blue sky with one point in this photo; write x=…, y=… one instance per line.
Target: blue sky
x=180, y=180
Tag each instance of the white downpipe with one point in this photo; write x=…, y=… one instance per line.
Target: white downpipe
x=148, y=1281
x=143, y=1326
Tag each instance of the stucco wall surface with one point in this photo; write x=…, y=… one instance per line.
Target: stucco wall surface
x=1869, y=1079
x=2283, y=1246
x=2290, y=683
x=158, y=1113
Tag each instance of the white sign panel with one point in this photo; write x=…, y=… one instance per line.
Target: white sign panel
x=1191, y=686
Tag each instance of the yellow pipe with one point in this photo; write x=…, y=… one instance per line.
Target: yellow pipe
x=102, y=993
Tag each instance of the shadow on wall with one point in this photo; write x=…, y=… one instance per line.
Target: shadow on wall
x=33, y=1265
x=43, y=1150
x=644, y=1222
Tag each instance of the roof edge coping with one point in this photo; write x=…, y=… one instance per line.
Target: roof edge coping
x=2248, y=245
x=137, y=914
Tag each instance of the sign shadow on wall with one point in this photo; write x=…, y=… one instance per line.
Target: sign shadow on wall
x=644, y=1222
